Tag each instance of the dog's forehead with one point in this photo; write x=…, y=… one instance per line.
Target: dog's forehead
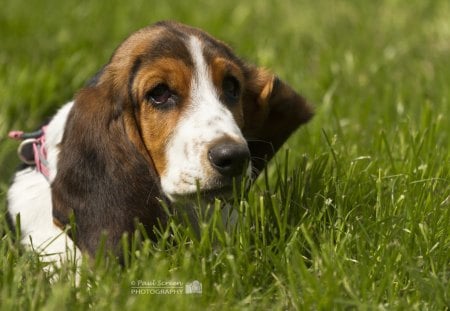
x=170, y=40
x=212, y=47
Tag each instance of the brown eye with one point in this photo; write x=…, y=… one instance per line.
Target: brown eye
x=161, y=95
x=231, y=89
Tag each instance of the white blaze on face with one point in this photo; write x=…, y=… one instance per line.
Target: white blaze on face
x=204, y=120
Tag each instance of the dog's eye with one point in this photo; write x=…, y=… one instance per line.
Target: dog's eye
x=161, y=95
x=231, y=89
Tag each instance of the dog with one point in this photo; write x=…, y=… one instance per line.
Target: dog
x=173, y=112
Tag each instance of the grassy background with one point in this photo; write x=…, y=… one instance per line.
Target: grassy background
x=353, y=212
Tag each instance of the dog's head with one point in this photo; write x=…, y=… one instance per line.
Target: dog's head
x=177, y=108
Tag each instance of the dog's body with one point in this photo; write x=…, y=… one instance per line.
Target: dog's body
x=172, y=112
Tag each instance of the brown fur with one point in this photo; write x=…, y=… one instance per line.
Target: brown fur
x=157, y=125
x=221, y=67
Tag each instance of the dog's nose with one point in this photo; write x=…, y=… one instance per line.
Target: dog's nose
x=228, y=158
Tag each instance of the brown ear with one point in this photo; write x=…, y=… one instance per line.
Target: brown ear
x=272, y=111
x=103, y=178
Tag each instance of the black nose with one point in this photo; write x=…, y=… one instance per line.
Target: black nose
x=229, y=158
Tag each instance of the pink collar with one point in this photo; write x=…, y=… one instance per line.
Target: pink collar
x=37, y=140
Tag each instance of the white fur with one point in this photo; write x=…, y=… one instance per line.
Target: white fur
x=206, y=120
x=30, y=197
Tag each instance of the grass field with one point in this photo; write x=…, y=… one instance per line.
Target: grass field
x=353, y=213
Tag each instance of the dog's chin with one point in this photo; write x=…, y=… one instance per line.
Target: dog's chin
x=223, y=193
x=220, y=189
x=204, y=195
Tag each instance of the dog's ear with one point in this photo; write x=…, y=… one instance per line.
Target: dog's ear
x=104, y=176
x=272, y=111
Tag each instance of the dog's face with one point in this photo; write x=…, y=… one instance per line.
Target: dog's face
x=187, y=91
x=188, y=95
x=194, y=109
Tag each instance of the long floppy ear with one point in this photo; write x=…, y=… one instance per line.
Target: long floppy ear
x=103, y=176
x=272, y=111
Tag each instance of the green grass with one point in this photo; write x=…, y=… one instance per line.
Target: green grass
x=354, y=212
